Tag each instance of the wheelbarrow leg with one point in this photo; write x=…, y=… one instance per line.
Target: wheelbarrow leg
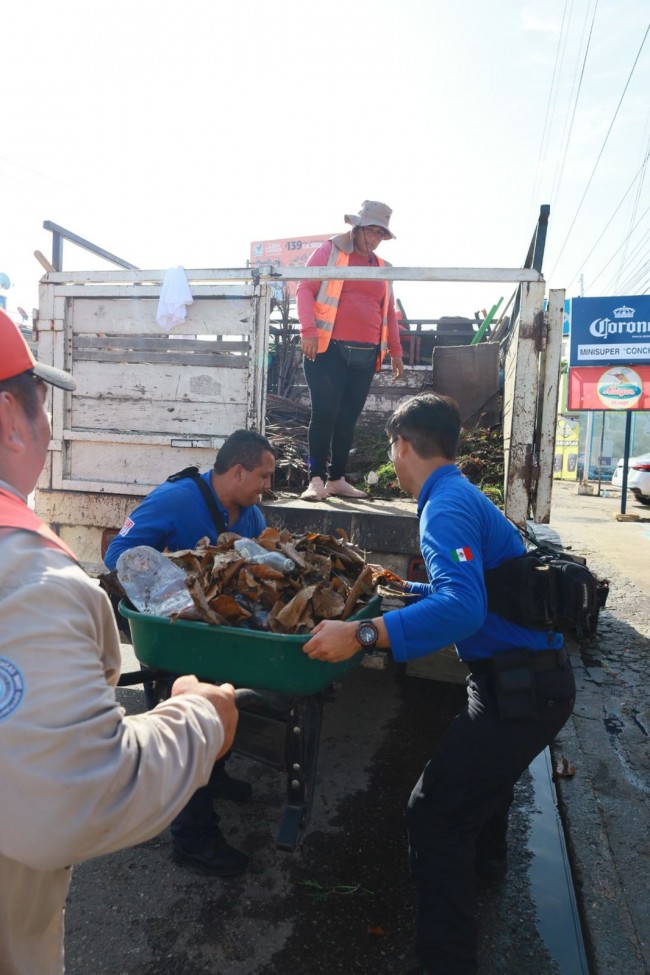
x=301, y=761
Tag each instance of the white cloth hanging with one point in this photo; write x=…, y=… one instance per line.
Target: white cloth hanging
x=175, y=296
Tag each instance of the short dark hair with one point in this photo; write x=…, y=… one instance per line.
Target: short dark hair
x=25, y=388
x=243, y=447
x=430, y=422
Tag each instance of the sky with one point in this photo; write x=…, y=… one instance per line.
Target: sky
x=172, y=133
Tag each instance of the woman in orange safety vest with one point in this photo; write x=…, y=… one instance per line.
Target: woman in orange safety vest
x=347, y=327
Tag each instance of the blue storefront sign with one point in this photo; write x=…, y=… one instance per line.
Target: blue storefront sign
x=605, y=331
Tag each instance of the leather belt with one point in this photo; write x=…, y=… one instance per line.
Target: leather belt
x=540, y=661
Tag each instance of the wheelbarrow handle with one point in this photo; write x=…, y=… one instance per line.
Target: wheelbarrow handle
x=244, y=696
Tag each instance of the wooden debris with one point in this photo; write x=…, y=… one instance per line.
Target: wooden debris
x=362, y=586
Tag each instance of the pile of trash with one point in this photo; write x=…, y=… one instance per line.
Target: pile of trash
x=480, y=459
x=279, y=582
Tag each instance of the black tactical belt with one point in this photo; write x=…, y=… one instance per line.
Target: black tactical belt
x=540, y=661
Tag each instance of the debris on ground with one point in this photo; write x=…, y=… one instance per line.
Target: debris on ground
x=564, y=769
x=480, y=455
x=480, y=458
x=286, y=428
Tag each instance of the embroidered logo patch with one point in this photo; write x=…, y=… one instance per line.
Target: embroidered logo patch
x=126, y=527
x=12, y=687
x=462, y=554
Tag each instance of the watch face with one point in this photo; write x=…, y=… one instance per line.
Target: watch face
x=367, y=634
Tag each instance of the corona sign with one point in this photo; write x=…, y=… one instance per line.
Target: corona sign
x=607, y=331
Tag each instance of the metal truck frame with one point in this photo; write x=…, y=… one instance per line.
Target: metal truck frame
x=149, y=403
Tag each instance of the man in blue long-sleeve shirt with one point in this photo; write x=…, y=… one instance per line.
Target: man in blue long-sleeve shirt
x=520, y=690
x=176, y=515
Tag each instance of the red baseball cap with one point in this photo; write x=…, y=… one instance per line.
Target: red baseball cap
x=16, y=358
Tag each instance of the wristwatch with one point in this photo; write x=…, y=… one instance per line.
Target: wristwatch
x=367, y=634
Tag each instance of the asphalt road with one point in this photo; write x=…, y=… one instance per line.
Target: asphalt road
x=606, y=805
x=342, y=902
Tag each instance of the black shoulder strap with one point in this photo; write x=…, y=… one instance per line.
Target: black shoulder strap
x=208, y=496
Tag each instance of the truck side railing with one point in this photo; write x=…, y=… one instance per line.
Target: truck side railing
x=59, y=234
x=531, y=362
x=265, y=274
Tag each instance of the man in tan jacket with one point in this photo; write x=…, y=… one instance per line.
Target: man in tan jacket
x=79, y=778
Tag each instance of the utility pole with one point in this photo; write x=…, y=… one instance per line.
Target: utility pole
x=589, y=432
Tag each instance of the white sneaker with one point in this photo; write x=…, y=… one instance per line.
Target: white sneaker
x=316, y=490
x=342, y=489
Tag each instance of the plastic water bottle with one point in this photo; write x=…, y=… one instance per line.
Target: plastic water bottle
x=152, y=582
x=258, y=555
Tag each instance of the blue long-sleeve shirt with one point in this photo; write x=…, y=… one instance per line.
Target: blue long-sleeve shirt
x=175, y=516
x=462, y=533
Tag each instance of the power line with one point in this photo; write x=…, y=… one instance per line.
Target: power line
x=552, y=97
x=614, y=278
x=635, y=286
x=560, y=171
x=613, y=281
x=633, y=274
x=635, y=205
x=602, y=149
x=582, y=263
x=633, y=278
x=28, y=169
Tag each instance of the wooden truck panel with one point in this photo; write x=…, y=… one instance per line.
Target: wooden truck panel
x=148, y=401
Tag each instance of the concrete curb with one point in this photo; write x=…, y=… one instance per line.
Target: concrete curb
x=611, y=942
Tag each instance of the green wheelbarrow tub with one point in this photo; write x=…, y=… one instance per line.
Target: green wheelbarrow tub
x=245, y=658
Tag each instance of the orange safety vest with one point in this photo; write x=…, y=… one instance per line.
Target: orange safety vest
x=14, y=513
x=327, y=302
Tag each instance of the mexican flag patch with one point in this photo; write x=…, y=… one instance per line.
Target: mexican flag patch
x=462, y=554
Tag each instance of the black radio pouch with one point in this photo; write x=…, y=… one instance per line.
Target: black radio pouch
x=514, y=685
x=545, y=589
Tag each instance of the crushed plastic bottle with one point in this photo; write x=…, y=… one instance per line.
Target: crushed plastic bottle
x=152, y=582
x=258, y=555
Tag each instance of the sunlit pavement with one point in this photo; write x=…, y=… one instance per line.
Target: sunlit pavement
x=313, y=910
x=605, y=805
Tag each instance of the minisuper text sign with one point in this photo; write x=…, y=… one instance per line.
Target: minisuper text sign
x=609, y=331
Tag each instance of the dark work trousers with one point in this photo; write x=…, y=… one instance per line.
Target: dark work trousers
x=338, y=394
x=458, y=811
x=196, y=828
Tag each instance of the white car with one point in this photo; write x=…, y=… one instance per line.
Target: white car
x=638, y=477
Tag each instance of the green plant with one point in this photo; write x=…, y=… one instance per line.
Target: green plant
x=480, y=458
x=320, y=891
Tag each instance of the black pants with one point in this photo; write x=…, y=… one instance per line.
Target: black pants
x=196, y=828
x=458, y=811
x=338, y=394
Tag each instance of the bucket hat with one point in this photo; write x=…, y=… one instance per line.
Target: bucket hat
x=16, y=358
x=371, y=214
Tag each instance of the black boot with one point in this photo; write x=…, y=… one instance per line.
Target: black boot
x=219, y=860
